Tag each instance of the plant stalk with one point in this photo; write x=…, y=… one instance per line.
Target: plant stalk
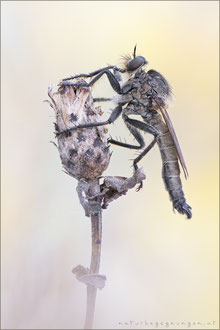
x=96, y=229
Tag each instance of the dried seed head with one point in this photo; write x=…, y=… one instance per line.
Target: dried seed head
x=85, y=153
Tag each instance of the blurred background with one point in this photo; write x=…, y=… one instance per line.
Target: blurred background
x=160, y=267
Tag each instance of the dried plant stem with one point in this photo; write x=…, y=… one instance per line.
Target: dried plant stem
x=85, y=155
x=96, y=230
x=96, y=226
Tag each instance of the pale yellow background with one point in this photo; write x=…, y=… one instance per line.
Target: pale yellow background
x=160, y=267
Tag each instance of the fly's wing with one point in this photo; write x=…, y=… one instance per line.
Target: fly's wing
x=174, y=137
x=161, y=86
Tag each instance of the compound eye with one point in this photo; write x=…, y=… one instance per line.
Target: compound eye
x=135, y=63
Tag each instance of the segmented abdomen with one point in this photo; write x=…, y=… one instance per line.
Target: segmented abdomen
x=171, y=169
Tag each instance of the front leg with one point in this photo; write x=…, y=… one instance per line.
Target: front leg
x=113, y=78
x=94, y=73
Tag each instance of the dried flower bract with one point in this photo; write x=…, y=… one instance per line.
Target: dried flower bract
x=84, y=152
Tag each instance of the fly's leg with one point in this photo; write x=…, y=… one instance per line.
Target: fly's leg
x=114, y=115
x=94, y=73
x=142, y=154
x=182, y=207
x=146, y=128
x=113, y=78
x=63, y=84
x=133, y=123
x=133, y=126
x=101, y=99
x=136, y=135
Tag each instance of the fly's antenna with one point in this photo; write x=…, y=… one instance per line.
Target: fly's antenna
x=134, y=53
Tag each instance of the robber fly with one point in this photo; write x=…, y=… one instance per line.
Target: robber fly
x=144, y=94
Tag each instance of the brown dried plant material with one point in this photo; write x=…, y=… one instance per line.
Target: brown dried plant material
x=85, y=153
x=83, y=275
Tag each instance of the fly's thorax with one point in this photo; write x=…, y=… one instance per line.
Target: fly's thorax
x=133, y=80
x=138, y=93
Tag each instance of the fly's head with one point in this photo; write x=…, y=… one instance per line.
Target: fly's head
x=135, y=63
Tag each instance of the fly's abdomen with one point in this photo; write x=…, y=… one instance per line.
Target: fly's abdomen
x=171, y=170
